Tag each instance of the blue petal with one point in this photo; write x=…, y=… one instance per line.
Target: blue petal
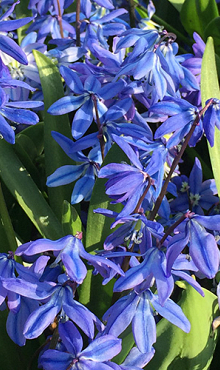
x=10, y=47
x=56, y=360
x=72, y=80
x=78, y=313
x=204, y=250
x=65, y=175
x=144, y=326
x=40, y=319
x=83, y=186
x=102, y=349
x=82, y=119
x=71, y=337
x=172, y=312
x=66, y=104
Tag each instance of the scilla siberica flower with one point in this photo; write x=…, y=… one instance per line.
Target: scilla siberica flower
x=128, y=183
x=95, y=356
x=202, y=244
x=7, y=45
x=85, y=173
x=12, y=111
x=92, y=90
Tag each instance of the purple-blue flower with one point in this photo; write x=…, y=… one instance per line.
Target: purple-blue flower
x=95, y=356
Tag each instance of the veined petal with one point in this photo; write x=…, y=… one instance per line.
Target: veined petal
x=144, y=326
x=6, y=131
x=66, y=104
x=65, y=175
x=83, y=186
x=172, y=312
x=40, y=319
x=120, y=315
x=204, y=250
x=20, y=115
x=71, y=337
x=128, y=151
x=30, y=290
x=82, y=119
x=74, y=266
x=175, y=247
x=10, y=47
x=72, y=80
x=78, y=313
x=56, y=360
x=102, y=349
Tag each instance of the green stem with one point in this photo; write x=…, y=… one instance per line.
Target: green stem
x=132, y=13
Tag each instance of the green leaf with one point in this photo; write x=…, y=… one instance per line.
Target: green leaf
x=54, y=156
x=178, y=350
x=15, y=357
x=71, y=221
x=210, y=89
x=98, y=226
x=92, y=293
x=196, y=14
x=23, y=155
x=7, y=235
x=213, y=30
x=177, y=4
x=36, y=134
x=25, y=191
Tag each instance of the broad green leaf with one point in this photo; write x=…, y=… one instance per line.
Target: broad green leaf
x=27, y=161
x=178, y=350
x=36, y=134
x=196, y=14
x=213, y=30
x=177, y=4
x=71, y=221
x=23, y=188
x=7, y=235
x=98, y=226
x=54, y=155
x=15, y=357
x=92, y=293
x=210, y=89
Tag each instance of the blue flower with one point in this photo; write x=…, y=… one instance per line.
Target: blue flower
x=193, y=192
x=128, y=183
x=7, y=45
x=136, y=308
x=69, y=250
x=12, y=112
x=91, y=91
x=202, y=244
x=212, y=119
x=85, y=173
x=183, y=114
x=95, y=356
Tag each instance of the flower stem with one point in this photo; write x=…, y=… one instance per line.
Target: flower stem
x=77, y=22
x=60, y=19
x=176, y=161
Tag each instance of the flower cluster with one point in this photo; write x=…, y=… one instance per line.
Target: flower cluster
x=126, y=91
